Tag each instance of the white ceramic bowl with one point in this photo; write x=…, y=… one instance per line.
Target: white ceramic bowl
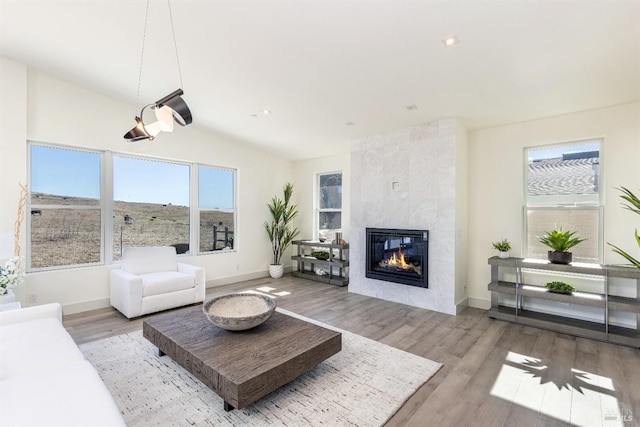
x=239, y=311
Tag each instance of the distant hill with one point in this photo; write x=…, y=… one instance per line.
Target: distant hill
x=68, y=236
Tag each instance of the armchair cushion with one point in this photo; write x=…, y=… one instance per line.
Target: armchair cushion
x=165, y=282
x=149, y=259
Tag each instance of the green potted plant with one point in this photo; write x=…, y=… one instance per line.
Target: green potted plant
x=503, y=247
x=633, y=206
x=279, y=229
x=559, y=287
x=560, y=242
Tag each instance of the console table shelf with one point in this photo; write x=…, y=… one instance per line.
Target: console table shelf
x=523, y=293
x=335, y=266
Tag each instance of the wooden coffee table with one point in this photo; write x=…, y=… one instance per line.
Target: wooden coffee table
x=241, y=366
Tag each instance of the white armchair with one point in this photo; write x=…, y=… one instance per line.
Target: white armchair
x=151, y=279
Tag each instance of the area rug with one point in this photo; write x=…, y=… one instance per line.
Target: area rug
x=363, y=385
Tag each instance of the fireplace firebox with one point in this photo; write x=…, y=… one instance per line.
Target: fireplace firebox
x=399, y=256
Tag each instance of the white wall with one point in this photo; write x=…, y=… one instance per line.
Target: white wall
x=13, y=132
x=496, y=173
x=462, y=217
x=37, y=107
x=44, y=109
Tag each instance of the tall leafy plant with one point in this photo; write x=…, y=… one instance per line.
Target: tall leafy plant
x=634, y=206
x=280, y=229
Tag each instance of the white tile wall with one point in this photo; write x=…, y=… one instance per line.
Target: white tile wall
x=421, y=162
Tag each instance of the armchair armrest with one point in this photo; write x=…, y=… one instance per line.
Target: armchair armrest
x=199, y=274
x=126, y=292
x=29, y=313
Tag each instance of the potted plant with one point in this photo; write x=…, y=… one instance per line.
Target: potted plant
x=279, y=229
x=560, y=242
x=503, y=246
x=633, y=206
x=559, y=287
x=10, y=277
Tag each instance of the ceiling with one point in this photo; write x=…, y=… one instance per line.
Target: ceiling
x=320, y=64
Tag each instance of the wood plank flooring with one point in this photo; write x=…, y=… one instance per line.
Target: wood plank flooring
x=495, y=373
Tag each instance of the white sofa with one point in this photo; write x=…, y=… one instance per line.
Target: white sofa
x=151, y=279
x=45, y=379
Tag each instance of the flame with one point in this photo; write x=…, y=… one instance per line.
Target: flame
x=397, y=260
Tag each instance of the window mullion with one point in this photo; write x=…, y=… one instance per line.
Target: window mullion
x=106, y=201
x=194, y=235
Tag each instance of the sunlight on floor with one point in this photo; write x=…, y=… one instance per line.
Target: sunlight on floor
x=282, y=293
x=569, y=395
x=266, y=290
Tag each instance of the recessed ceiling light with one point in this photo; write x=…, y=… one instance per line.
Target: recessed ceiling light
x=349, y=124
x=411, y=107
x=255, y=116
x=450, y=41
x=265, y=112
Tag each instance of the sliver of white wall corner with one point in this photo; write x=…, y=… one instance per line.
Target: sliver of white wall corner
x=6, y=245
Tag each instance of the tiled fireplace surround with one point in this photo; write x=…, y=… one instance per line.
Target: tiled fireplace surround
x=407, y=179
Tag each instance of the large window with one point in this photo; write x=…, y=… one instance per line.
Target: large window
x=563, y=191
x=65, y=225
x=86, y=206
x=150, y=204
x=217, y=208
x=329, y=204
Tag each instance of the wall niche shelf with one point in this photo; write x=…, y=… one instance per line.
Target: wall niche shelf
x=526, y=314
x=335, y=266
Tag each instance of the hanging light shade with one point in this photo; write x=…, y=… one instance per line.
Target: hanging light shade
x=165, y=118
x=138, y=133
x=179, y=109
x=167, y=110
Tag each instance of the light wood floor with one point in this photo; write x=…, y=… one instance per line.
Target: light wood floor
x=494, y=374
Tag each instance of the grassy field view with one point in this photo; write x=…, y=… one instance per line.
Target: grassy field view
x=68, y=236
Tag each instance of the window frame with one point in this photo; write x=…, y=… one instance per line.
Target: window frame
x=112, y=155
x=31, y=206
x=564, y=207
x=198, y=210
x=319, y=210
x=106, y=204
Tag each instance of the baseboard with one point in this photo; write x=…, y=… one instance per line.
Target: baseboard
x=241, y=278
x=462, y=305
x=105, y=302
x=484, y=304
x=80, y=307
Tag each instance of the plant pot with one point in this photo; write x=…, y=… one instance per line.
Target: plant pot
x=560, y=257
x=503, y=254
x=276, y=270
x=7, y=298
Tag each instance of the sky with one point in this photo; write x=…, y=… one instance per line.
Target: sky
x=73, y=173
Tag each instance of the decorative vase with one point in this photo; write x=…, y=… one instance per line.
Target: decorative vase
x=560, y=257
x=7, y=298
x=276, y=270
x=503, y=254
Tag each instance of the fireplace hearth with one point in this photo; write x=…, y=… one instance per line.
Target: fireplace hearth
x=397, y=255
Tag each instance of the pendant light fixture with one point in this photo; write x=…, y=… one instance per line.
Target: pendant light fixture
x=169, y=109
